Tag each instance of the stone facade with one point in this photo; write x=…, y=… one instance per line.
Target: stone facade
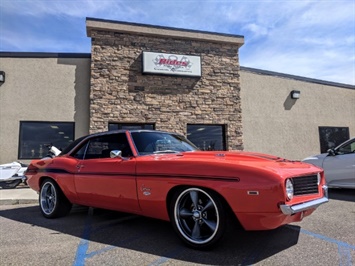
x=120, y=93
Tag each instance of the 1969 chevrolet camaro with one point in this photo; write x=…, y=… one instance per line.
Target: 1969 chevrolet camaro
x=163, y=175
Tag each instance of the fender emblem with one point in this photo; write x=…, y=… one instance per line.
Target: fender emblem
x=145, y=190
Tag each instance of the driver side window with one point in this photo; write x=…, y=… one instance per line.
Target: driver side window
x=101, y=146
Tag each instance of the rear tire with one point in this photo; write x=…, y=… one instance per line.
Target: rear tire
x=52, y=201
x=198, y=216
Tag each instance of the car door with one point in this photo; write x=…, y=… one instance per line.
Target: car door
x=340, y=167
x=106, y=182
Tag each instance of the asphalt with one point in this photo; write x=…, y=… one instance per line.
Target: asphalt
x=20, y=195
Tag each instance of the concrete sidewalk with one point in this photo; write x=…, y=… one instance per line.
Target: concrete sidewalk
x=19, y=195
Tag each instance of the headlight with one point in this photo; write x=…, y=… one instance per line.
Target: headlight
x=318, y=179
x=289, y=189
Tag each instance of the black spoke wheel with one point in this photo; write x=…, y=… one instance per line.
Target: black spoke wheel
x=198, y=217
x=52, y=201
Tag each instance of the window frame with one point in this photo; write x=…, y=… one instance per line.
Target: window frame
x=87, y=142
x=340, y=150
x=21, y=132
x=223, y=135
x=331, y=134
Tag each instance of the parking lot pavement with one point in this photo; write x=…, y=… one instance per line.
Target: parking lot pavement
x=19, y=195
x=96, y=237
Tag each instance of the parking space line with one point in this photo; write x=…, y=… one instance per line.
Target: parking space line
x=84, y=241
x=343, y=247
x=81, y=253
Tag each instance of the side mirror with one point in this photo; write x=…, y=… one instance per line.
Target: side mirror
x=115, y=154
x=331, y=152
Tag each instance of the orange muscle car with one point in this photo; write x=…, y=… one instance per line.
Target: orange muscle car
x=164, y=176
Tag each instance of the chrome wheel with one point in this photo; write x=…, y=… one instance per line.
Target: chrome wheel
x=53, y=203
x=197, y=217
x=48, y=198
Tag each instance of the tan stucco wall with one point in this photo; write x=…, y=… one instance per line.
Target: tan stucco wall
x=274, y=123
x=42, y=89
x=57, y=89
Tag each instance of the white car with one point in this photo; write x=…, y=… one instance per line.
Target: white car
x=338, y=165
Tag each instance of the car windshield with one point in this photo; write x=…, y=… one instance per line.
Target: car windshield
x=160, y=142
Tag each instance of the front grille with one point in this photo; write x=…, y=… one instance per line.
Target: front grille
x=304, y=185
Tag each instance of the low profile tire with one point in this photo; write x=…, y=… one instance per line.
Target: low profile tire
x=52, y=201
x=198, y=216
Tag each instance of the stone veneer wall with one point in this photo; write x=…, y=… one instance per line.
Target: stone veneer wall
x=121, y=93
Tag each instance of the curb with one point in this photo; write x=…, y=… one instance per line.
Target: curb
x=17, y=201
x=19, y=195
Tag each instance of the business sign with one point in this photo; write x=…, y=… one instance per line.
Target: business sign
x=171, y=64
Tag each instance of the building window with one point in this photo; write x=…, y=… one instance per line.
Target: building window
x=35, y=136
x=130, y=126
x=207, y=137
x=331, y=137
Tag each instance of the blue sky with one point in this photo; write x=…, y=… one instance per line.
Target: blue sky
x=314, y=39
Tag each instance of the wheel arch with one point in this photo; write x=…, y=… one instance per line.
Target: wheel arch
x=43, y=178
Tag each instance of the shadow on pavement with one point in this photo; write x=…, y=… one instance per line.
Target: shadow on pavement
x=104, y=230
x=342, y=194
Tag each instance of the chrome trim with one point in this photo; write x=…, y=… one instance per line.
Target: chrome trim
x=313, y=204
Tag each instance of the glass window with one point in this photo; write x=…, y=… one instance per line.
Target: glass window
x=207, y=137
x=347, y=148
x=101, y=146
x=160, y=142
x=331, y=137
x=35, y=136
x=130, y=126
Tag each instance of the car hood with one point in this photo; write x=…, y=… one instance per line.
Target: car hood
x=228, y=163
x=316, y=159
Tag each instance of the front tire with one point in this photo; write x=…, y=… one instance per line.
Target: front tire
x=52, y=201
x=198, y=216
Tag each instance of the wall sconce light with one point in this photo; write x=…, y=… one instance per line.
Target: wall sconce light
x=295, y=94
x=2, y=77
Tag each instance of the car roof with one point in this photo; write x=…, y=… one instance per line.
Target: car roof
x=129, y=130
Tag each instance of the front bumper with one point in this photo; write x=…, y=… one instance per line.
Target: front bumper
x=313, y=204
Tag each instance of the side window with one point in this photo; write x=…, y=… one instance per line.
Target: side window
x=79, y=154
x=101, y=146
x=349, y=148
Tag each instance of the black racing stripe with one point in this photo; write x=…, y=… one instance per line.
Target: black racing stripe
x=54, y=170
x=216, y=178
x=158, y=175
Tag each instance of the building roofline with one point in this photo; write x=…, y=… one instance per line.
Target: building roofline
x=44, y=55
x=300, y=78
x=160, y=31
